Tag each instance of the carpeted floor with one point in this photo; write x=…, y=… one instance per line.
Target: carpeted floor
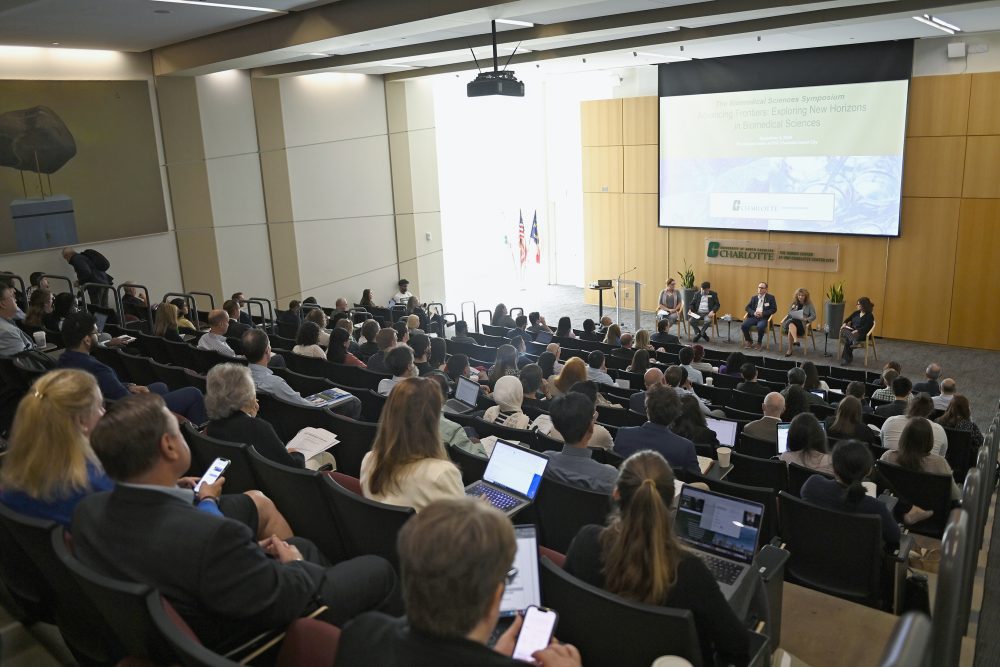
x=975, y=371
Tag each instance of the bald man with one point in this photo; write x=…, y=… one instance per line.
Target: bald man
x=948, y=389
x=766, y=428
x=637, y=401
x=215, y=339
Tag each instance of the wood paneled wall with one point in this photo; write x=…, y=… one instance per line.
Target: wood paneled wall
x=938, y=282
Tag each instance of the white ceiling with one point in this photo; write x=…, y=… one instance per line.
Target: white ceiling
x=706, y=31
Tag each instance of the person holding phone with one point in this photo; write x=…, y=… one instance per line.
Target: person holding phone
x=452, y=597
x=638, y=557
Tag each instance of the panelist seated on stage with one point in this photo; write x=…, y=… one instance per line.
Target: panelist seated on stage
x=702, y=311
x=801, y=313
x=671, y=303
x=855, y=328
x=758, y=311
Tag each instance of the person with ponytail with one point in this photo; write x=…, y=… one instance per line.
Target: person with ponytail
x=852, y=462
x=50, y=465
x=637, y=557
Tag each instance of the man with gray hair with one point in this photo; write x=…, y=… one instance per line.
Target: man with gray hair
x=948, y=389
x=929, y=386
x=797, y=376
x=215, y=339
x=766, y=428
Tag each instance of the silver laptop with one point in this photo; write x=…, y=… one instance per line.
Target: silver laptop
x=783, y=435
x=721, y=530
x=524, y=590
x=725, y=431
x=511, y=479
x=466, y=397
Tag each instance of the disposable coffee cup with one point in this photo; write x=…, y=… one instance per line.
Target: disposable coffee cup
x=723, y=453
x=869, y=488
x=708, y=381
x=39, y=337
x=670, y=661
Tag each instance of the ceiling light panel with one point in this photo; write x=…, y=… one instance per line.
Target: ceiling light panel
x=223, y=5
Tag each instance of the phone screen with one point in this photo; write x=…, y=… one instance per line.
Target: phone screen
x=213, y=473
x=536, y=632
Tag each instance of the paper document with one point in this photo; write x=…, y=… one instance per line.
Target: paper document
x=705, y=464
x=311, y=441
x=694, y=316
x=624, y=383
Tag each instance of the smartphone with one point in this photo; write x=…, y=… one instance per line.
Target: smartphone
x=536, y=632
x=213, y=473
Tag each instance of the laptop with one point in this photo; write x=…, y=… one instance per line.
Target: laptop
x=725, y=431
x=721, y=530
x=512, y=477
x=466, y=397
x=329, y=397
x=783, y=435
x=100, y=319
x=543, y=337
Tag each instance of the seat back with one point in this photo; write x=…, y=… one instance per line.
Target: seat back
x=544, y=443
x=758, y=494
x=367, y=379
x=753, y=471
x=23, y=584
x=563, y=509
x=181, y=638
x=797, y=476
x=372, y=403
x=838, y=553
x=714, y=395
x=366, y=526
x=632, y=634
x=746, y=402
x=741, y=415
x=180, y=354
x=174, y=377
x=205, y=449
x=153, y=346
x=307, y=385
x=296, y=493
x=473, y=467
x=485, y=428
x=961, y=452
x=619, y=417
x=910, y=642
x=924, y=489
x=122, y=604
x=947, y=629
x=138, y=369
x=758, y=447
x=971, y=503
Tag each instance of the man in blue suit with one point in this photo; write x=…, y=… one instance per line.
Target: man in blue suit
x=662, y=408
x=759, y=310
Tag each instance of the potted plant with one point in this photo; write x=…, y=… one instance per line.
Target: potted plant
x=833, y=308
x=687, y=284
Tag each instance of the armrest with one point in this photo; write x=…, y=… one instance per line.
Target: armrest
x=770, y=561
x=906, y=544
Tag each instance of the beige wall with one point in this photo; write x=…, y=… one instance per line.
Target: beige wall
x=920, y=282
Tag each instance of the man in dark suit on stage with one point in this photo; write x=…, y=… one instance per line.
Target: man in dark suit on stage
x=702, y=311
x=758, y=311
x=225, y=584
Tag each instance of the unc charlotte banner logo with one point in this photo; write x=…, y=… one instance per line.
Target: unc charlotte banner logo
x=713, y=248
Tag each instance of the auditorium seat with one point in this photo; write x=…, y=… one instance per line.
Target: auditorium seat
x=366, y=526
x=798, y=475
x=372, y=403
x=947, y=615
x=473, y=467
x=723, y=381
x=174, y=377
x=205, y=449
x=563, y=509
x=757, y=494
x=307, y=385
x=714, y=395
x=619, y=417
x=753, y=471
x=137, y=369
x=961, y=452
x=740, y=415
x=909, y=645
x=741, y=400
x=926, y=490
x=756, y=447
x=181, y=637
x=110, y=356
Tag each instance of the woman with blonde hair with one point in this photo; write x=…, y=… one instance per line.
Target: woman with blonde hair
x=408, y=464
x=166, y=323
x=50, y=465
x=638, y=557
x=317, y=316
x=413, y=324
x=573, y=371
x=794, y=327
x=613, y=336
x=642, y=341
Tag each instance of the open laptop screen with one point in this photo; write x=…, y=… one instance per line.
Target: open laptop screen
x=467, y=391
x=525, y=590
x=725, y=431
x=515, y=468
x=101, y=319
x=783, y=437
x=719, y=524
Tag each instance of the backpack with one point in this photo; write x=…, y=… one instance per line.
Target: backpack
x=99, y=261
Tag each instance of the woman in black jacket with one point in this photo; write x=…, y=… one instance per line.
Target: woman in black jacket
x=855, y=328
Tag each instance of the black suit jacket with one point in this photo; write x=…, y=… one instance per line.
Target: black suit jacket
x=210, y=568
x=891, y=409
x=770, y=306
x=713, y=302
x=637, y=403
x=930, y=387
x=753, y=388
x=237, y=328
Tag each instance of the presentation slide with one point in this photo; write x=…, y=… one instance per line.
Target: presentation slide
x=824, y=159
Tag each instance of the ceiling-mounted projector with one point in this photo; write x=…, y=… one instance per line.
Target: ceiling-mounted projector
x=495, y=82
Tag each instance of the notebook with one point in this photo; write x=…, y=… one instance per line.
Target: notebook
x=721, y=530
x=466, y=397
x=328, y=397
x=725, y=431
x=511, y=479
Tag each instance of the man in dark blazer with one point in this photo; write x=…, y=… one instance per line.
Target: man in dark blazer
x=758, y=311
x=662, y=408
x=901, y=388
x=637, y=401
x=750, y=384
x=236, y=327
x=705, y=305
x=245, y=317
x=930, y=385
x=225, y=584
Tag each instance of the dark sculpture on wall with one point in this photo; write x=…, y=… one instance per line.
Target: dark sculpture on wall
x=35, y=139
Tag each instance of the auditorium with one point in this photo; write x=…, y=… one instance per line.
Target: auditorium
x=616, y=332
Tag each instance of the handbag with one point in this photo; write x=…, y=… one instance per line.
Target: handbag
x=34, y=361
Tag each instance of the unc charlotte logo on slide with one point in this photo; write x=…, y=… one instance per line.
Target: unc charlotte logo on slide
x=713, y=248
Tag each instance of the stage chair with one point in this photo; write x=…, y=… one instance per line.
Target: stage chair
x=870, y=341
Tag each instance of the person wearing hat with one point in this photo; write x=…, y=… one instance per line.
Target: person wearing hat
x=400, y=298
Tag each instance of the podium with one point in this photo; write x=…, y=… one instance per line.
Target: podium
x=637, y=293
x=600, y=297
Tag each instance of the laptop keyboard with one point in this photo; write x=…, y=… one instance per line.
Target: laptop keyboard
x=502, y=501
x=724, y=571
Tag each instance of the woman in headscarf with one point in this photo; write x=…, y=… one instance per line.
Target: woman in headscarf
x=509, y=395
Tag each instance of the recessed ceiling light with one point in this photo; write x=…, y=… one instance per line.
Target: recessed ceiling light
x=935, y=22
x=223, y=5
x=319, y=55
x=523, y=24
x=659, y=56
x=55, y=43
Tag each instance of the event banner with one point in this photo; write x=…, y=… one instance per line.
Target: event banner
x=803, y=256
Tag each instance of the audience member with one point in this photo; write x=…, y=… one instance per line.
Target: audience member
x=402, y=295
x=699, y=362
x=734, y=362
x=556, y=351
x=796, y=402
x=685, y=356
x=293, y=315
x=462, y=334
x=691, y=424
x=901, y=388
x=915, y=452
x=640, y=362
x=613, y=334
x=637, y=401
x=564, y=329
x=236, y=328
x=547, y=364
x=533, y=386
x=385, y=339
x=506, y=363
x=79, y=332
x=846, y=424
x=245, y=316
x=930, y=384
x=601, y=437
x=807, y=444
x=759, y=310
x=676, y=378
x=590, y=331
x=184, y=324
x=662, y=408
x=884, y=393
x=399, y=362
x=501, y=318
x=574, y=370
x=340, y=342
x=538, y=324
x=224, y=583
x=369, y=330
x=319, y=318
x=36, y=281
x=750, y=385
x=942, y=400
x=453, y=433
x=64, y=304
x=408, y=464
x=421, y=346
x=638, y=557
x=797, y=378
x=856, y=389
x=597, y=370
x=215, y=338
x=509, y=397
x=452, y=596
x=90, y=267
x=167, y=323
x=813, y=381
x=766, y=428
x=413, y=324
x=662, y=337
x=702, y=311
x=855, y=329
x=39, y=305
x=958, y=416
x=574, y=418
x=920, y=407
x=458, y=366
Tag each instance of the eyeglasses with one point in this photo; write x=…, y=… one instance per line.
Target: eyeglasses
x=510, y=576
x=761, y=286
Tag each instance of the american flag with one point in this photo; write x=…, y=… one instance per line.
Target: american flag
x=534, y=237
x=520, y=238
